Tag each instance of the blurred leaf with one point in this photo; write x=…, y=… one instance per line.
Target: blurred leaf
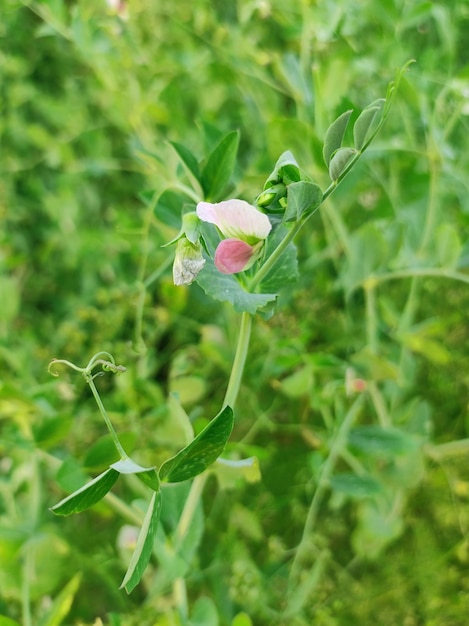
x=189, y=389
x=71, y=475
x=376, y=529
x=219, y=167
x=303, y=198
x=448, y=246
x=384, y=442
x=10, y=294
x=366, y=124
x=226, y=287
x=355, y=486
x=374, y=366
x=61, y=604
x=89, y=494
x=187, y=158
x=169, y=207
x=204, y=613
x=103, y=452
x=6, y=621
x=298, y=384
x=49, y=431
x=229, y=472
x=180, y=418
x=242, y=619
x=339, y=162
x=202, y=451
x=369, y=250
x=286, y=171
x=335, y=136
x=143, y=550
x=432, y=350
x=176, y=558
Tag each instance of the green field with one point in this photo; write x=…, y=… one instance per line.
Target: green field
x=342, y=496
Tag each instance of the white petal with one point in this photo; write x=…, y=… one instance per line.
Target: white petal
x=236, y=219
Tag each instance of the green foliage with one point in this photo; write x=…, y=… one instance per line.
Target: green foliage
x=88, y=495
x=143, y=549
x=202, y=451
x=112, y=126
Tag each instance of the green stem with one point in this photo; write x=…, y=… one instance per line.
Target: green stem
x=239, y=361
x=371, y=317
x=322, y=487
x=190, y=507
x=276, y=254
x=102, y=410
x=198, y=484
x=450, y=449
x=431, y=272
x=180, y=598
x=268, y=265
x=133, y=516
x=25, y=589
x=379, y=404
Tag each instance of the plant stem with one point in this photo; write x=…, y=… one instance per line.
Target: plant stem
x=25, y=589
x=450, y=449
x=432, y=272
x=276, y=254
x=102, y=410
x=198, y=484
x=190, y=507
x=323, y=484
x=239, y=361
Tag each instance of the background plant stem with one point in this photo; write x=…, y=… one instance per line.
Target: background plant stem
x=307, y=541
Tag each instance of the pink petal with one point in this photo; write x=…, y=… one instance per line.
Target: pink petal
x=236, y=219
x=233, y=256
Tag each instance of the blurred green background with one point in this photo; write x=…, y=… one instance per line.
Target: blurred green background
x=90, y=189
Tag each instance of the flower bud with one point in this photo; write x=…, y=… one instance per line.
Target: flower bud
x=188, y=261
x=270, y=197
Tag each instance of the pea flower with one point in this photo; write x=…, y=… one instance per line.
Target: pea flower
x=244, y=228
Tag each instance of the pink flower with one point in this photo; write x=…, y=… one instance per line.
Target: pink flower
x=245, y=229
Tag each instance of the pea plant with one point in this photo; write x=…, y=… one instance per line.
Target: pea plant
x=241, y=253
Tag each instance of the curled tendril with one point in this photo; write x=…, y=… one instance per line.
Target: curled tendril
x=110, y=367
x=107, y=365
x=62, y=362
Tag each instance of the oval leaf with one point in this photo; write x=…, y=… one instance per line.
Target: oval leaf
x=226, y=288
x=339, y=162
x=384, y=442
x=365, y=125
x=187, y=158
x=219, y=167
x=202, y=451
x=357, y=487
x=146, y=537
x=303, y=198
x=335, y=136
x=285, y=270
x=89, y=494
